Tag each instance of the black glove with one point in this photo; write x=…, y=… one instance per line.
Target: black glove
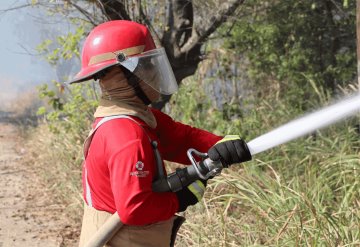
x=230, y=150
x=191, y=194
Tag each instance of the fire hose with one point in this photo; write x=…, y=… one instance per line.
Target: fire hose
x=206, y=168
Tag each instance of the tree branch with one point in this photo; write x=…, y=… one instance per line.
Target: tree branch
x=114, y=10
x=179, y=26
x=199, y=35
x=84, y=12
x=15, y=8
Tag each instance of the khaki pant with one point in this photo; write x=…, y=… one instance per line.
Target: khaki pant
x=160, y=234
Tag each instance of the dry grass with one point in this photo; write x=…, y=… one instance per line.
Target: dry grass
x=58, y=162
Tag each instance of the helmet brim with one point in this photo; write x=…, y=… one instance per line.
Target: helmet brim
x=89, y=72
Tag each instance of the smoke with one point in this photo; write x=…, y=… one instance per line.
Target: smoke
x=21, y=67
x=11, y=89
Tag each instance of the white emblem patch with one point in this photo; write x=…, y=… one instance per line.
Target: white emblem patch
x=139, y=170
x=139, y=165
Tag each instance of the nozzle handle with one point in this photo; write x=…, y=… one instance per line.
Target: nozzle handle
x=181, y=178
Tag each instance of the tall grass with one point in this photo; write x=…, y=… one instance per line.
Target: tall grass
x=56, y=144
x=303, y=193
x=58, y=161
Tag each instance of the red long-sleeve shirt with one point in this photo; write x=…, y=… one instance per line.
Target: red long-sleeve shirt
x=120, y=166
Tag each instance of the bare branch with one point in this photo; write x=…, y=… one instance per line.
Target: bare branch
x=179, y=26
x=148, y=23
x=184, y=19
x=27, y=52
x=15, y=8
x=84, y=12
x=200, y=34
x=114, y=10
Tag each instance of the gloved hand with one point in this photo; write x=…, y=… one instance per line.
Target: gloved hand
x=191, y=194
x=230, y=150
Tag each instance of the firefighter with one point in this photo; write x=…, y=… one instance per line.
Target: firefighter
x=120, y=155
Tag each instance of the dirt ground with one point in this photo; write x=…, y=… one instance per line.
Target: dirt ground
x=28, y=214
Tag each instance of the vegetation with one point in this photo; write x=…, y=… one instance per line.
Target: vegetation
x=304, y=193
x=297, y=42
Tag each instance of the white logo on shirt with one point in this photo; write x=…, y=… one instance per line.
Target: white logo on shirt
x=139, y=165
x=139, y=170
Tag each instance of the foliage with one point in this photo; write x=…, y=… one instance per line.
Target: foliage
x=292, y=42
x=65, y=47
x=68, y=109
x=67, y=115
x=71, y=112
x=303, y=193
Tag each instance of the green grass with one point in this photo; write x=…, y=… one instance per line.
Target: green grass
x=303, y=193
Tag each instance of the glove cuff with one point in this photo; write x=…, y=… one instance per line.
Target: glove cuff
x=185, y=199
x=191, y=194
x=247, y=155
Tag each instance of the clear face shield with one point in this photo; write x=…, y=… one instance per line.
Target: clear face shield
x=153, y=68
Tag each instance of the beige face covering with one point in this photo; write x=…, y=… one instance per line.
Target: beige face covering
x=119, y=98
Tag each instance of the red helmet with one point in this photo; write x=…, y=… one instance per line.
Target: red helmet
x=110, y=42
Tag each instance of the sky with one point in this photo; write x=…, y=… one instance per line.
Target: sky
x=21, y=31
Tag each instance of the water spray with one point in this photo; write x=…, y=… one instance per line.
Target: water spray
x=305, y=125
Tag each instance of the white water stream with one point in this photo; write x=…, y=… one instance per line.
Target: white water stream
x=305, y=124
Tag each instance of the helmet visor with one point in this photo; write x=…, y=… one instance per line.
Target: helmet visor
x=154, y=69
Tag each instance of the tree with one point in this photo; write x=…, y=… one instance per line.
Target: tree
x=181, y=36
x=182, y=27
x=298, y=43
